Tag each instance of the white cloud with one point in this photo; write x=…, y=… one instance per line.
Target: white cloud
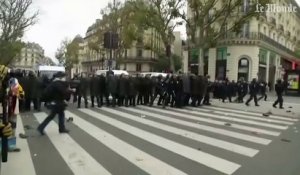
x=62, y=18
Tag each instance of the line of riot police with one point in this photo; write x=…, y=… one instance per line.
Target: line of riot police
x=126, y=90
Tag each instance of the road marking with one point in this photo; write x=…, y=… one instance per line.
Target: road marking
x=20, y=162
x=274, y=126
x=208, y=160
x=149, y=163
x=244, y=116
x=79, y=161
x=208, y=120
x=205, y=128
x=250, y=152
x=250, y=113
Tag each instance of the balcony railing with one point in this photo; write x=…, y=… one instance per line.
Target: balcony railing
x=256, y=36
x=273, y=21
x=288, y=33
x=280, y=27
x=263, y=15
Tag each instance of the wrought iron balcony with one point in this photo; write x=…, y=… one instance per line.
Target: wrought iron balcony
x=272, y=21
x=288, y=33
x=252, y=38
x=281, y=28
x=263, y=15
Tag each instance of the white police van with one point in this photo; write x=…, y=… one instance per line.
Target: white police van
x=49, y=71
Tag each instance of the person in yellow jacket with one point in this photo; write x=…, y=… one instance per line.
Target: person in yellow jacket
x=5, y=130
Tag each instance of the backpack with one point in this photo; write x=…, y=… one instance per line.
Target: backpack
x=47, y=94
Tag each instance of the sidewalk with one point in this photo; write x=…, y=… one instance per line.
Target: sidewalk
x=290, y=104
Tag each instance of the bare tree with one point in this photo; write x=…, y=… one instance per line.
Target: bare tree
x=14, y=20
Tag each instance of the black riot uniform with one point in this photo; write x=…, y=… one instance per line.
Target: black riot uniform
x=263, y=91
x=74, y=84
x=111, y=89
x=102, y=89
x=83, y=90
x=253, y=87
x=279, y=88
x=94, y=90
x=132, y=90
x=209, y=89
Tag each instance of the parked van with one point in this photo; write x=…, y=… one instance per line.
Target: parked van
x=153, y=74
x=116, y=72
x=49, y=71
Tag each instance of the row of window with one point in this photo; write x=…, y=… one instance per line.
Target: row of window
x=222, y=55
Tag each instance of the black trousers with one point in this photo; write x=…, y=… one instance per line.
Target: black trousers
x=36, y=103
x=132, y=100
x=93, y=100
x=279, y=100
x=206, y=99
x=263, y=96
x=252, y=96
x=55, y=110
x=186, y=99
x=113, y=103
x=85, y=100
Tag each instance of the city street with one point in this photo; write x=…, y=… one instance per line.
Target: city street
x=214, y=140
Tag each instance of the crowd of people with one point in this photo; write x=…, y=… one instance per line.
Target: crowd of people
x=174, y=90
x=125, y=90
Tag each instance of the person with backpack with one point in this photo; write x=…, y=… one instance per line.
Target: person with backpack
x=58, y=91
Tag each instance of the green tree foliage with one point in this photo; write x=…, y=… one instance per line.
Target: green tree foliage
x=15, y=18
x=204, y=15
x=68, y=53
x=163, y=64
x=161, y=16
x=120, y=18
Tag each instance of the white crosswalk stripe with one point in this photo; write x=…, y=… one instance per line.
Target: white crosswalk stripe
x=215, y=122
x=236, y=135
x=125, y=150
x=23, y=158
x=246, y=135
x=214, y=162
x=244, y=116
x=194, y=136
x=250, y=113
x=75, y=156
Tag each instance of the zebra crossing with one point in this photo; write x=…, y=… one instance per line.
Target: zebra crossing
x=145, y=140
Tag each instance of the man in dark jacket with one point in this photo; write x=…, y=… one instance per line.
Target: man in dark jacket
x=94, y=86
x=263, y=91
x=111, y=89
x=254, y=87
x=59, y=91
x=102, y=89
x=132, y=90
x=186, y=82
x=208, y=90
x=83, y=90
x=279, y=88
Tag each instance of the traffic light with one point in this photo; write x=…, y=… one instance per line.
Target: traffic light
x=111, y=40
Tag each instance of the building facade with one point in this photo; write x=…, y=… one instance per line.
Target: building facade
x=264, y=48
x=32, y=54
x=140, y=57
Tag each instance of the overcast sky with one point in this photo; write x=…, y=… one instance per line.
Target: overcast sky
x=59, y=19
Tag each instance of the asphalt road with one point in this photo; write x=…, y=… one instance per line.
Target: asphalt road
x=216, y=140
